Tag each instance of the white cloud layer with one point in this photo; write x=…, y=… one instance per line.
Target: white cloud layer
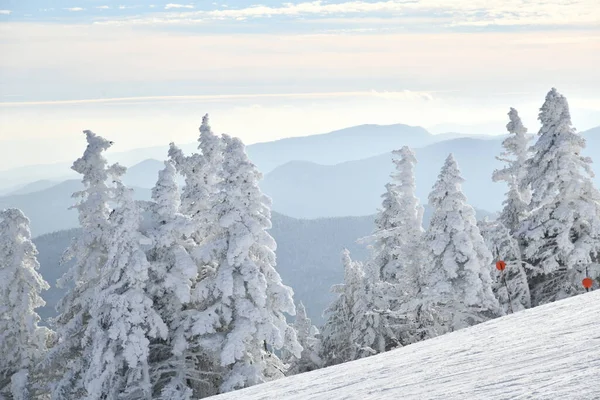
x=401, y=95
x=171, y=5
x=449, y=12
x=5, y=12
x=74, y=9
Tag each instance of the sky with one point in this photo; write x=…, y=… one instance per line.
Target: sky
x=143, y=72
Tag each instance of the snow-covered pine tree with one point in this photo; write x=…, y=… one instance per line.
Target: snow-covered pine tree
x=177, y=369
x=122, y=319
x=515, y=155
x=22, y=342
x=202, y=174
x=337, y=346
x=372, y=331
x=505, y=247
x=309, y=339
x=65, y=364
x=397, y=248
x=561, y=235
x=457, y=286
x=398, y=225
x=244, y=300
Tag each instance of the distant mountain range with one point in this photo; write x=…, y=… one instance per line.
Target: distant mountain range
x=348, y=144
x=305, y=189
x=48, y=209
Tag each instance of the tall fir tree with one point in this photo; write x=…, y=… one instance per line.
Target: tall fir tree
x=65, y=364
x=244, y=300
x=457, y=286
x=122, y=318
x=515, y=155
x=22, y=342
x=398, y=225
x=561, y=235
x=202, y=174
x=178, y=371
x=397, y=249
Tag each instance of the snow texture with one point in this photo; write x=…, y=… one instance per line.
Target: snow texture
x=548, y=352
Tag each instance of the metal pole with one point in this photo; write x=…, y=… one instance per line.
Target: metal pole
x=508, y=293
x=510, y=307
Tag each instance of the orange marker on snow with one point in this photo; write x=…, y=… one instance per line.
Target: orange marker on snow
x=587, y=283
x=500, y=265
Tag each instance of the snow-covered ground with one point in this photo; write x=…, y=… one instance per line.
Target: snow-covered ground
x=549, y=352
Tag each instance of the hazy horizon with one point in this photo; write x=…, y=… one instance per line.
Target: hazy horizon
x=142, y=73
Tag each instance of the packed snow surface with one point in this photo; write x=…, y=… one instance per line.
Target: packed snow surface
x=548, y=352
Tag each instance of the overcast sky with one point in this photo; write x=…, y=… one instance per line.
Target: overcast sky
x=143, y=72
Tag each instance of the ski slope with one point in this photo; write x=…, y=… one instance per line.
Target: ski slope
x=549, y=352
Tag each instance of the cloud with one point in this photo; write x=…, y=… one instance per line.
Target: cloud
x=5, y=12
x=401, y=95
x=103, y=7
x=171, y=5
x=74, y=9
x=448, y=13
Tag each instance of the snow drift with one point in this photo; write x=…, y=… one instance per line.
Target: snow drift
x=548, y=352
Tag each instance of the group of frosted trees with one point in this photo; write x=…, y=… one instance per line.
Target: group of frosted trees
x=174, y=298
x=178, y=297
x=423, y=283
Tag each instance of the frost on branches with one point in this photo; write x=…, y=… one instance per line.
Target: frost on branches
x=65, y=363
x=515, y=156
x=337, y=346
x=505, y=247
x=309, y=339
x=372, y=318
x=22, y=342
x=397, y=251
x=201, y=173
x=561, y=236
x=244, y=300
x=122, y=316
x=398, y=226
x=177, y=372
x=457, y=290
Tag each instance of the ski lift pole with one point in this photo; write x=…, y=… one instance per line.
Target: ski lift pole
x=501, y=266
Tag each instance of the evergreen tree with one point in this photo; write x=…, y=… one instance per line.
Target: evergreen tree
x=65, y=364
x=337, y=346
x=202, y=174
x=177, y=369
x=308, y=337
x=515, y=156
x=122, y=316
x=561, y=235
x=397, y=253
x=243, y=298
x=511, y=287
x=398, y=226
x=372, y=331
x=22, y=342
x=457, y=287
